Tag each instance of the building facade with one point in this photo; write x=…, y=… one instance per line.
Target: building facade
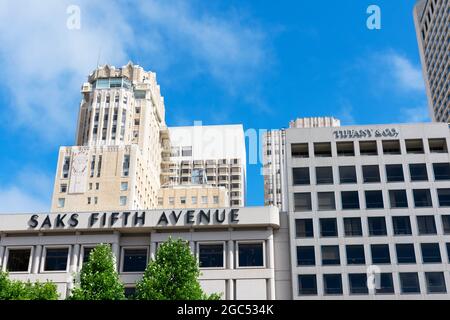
x=193, y=196
x=432, y=20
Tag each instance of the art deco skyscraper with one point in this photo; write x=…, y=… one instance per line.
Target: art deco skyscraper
x=432, y=20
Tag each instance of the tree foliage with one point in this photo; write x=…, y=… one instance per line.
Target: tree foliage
x=98, y=279
x=19, y=290
x=173, y=275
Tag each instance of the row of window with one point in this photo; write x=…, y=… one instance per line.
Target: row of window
x=374, y=200
x=93, y=200
x=426, y=225
x=369, y=148
x=193, y=200
x=357, y=282
x=371, y=174
x=210, y=255
x=380, y=254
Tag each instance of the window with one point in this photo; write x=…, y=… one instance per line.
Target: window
x=324, y=175
x=215, y=199
x=422, y=198
x=394, y=173
x=300, y=176
x=186, y=151
x=377, y=226
x=307, y=285
x=431, y=253
x=426, y=225
x=332, y=284
x=386, y=285
x=306, y=256
x=251, y=255
x=302, y=202
x=99, y=166
x=358, y=283
x=368, y=148
x=211, y=255
x=66, y=167
x=405, y=253
x=435, y=282
x=299, y=150
x=134, y=260
x=391, y=147
x=350, y=200
x=89, y=200
x=123, y=200
x=126, y=165
x=347, y=174
x=322, y=149
x=97, y=186
x=123, y=186
x=304, y=228
x=183, y=200
x=86, y=253
x=204, y=199
x=414, y=146
x=441, y=171
x=444, y=197
x=438, y=145
x=194, y=200
x=328, y=228
x=326, y=201
x=352, y=227
x=355, y=254
x=409, y=282
x=63, y=188
x=345, y=149
x=374, y=199
x=371, y=174
x=171, y=201
x=418, y=172
x=61, y=202
x=18, y=260
x=175, y=152
x=330, y=255
x=446, y=224
x=380, y=253
x=402, y=226
x=93, y=166
x=398, y=199
x=56, y=259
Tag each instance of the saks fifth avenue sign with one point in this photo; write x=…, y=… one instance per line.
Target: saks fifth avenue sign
x=175, y=218
x=366, y=133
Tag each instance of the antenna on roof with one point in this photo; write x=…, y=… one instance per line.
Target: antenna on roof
x=98, y=61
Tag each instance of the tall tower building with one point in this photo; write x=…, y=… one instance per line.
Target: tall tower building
x=432, y=20
x=121, y=134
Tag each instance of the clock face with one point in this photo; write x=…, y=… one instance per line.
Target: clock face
x=79, y=163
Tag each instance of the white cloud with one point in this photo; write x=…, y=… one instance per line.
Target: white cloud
x=406, y=75
x=418, y=114
x=16, y=200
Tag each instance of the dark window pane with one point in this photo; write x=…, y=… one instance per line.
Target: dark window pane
x=441, y=171
x=380, y=253
x=368, y=148
x=409, y=282
x=374, y=200
x=350, y=200
x=251, y=255
x=300, y=176
x=306, y=256
x=418, y=172
x=307, y=285
x=56, y=259
x=394, y=173
x=324, y=175
x=211, y=255
x=347, y=174
x=386, y=285
x=330, y=255
x=377, y=226
x=18, y=260
x=86, y=253
x=446, y=224
x=304, y=228
x=414, y=146
x=405, y=253
x=391, y=147
x=426, y=225
x=134, y=260
x=352, y=227
x=326, y=201
x=322, y=149
x=435, y=282
x=431, y=253
x=355, y=254
x=371, y=174
x=345, y=149
x=302, y=202
x=422, y=198
x=299, y=150
x=398, y=199
x=328, y=227
x=438, y=145
x=332, y=284
x=402, y=225
x=358, y=283
x=444, y=197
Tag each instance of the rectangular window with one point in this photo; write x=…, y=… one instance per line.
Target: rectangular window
x=306, y=256
x=86, y=253
x=414, y=146
x=299, y=150
x=391, y=147
x=194, y=200
x=251, y=255
x=18, y=260
x=394, y=173
x=330, y=255
x=99, y=166
x=322, y=149
x=183, y=200
x=302, y=202
x=352, y=227
x=435, y=282
x=93, y=166
x=326, y=201
x=426, y=225
x=371, y=174
x=418, y=172
x=328, y=227
x=307, y=285
x=441, y=171
x=171, y=201
x=368, y=148
x=204, y=200
x=97, y=186
x=61, y=202
x=350, y=200
x=66, y=167
x=402, y=226
x=215, y=199
x=324, y=175
x=446, y=224
x=63, y=188
x=332, y=284
x=123, y=186
x=374, y=199
x=431, y=253
x=126, y=165
x=134, y=260
x=123, y=200
x=358, y=283
x=422, y=198
x=345, y=149
x=347, y=174
x=438, y=145
x=405, y=253
x=386, y=284
x=56, y=259
x=186, y=151
x=355, y=254
x=304, y=228
x=409, y=282
x=300, y=176
x=444, y=197
x=398, y=199
x=377, y=226
x=211, y=255
x=380, y=254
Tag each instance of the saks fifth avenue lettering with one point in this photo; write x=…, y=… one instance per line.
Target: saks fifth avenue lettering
x=135, y=219
x=366, y=133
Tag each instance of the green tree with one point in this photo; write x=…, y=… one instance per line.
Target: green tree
x=98, y=277
x=19, y=290
x=173, y=275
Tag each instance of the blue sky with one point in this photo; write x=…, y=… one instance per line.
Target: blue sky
x=259, y=63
